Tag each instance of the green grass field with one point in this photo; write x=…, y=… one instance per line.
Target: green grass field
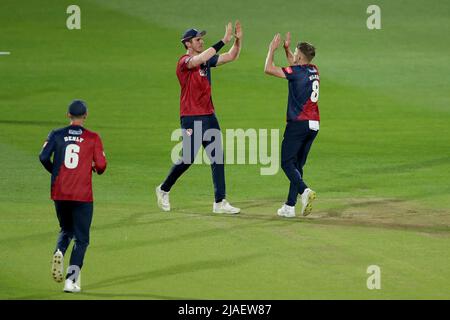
x=380, y=164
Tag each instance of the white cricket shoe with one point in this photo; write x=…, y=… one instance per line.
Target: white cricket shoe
x=225, y=207
x=58, y=266
x=307, y=197
x=163, y=199
x=73, y=287
x=286, y=211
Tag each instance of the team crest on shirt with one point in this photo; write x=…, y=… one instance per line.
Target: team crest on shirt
x=189, y=132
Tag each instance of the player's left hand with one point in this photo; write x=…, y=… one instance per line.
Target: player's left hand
x=275, y=42
x=238, y=30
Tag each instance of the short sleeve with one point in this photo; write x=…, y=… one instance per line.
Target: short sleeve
x=183, y=63
x=213, y=61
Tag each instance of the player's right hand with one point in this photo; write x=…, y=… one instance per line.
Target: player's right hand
x=275, y=42
x=238, y=30
x=228, y=33
x=287, y=41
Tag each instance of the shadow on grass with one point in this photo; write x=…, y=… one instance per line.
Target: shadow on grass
x=183, y=268
x=331, y=216
x=204, y=233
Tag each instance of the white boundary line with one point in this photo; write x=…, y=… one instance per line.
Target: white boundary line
x=4, y=53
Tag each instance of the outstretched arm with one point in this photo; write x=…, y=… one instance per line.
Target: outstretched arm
x=235, y=50
x=270, y=67
x=210, y=52
x=287, y=50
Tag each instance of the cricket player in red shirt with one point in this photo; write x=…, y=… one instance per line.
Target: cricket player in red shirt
x=197, y=110
x=77, y=152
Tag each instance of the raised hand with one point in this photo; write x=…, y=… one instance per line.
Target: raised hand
x=275, y=42
x=228, y=33
x=287, y=41
x=238, y=30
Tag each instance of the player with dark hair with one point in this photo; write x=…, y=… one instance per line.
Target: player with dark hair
x=197, y=110
x=76, y=152
x=302, y=118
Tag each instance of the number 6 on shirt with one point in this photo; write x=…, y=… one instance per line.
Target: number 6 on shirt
x=71, y=157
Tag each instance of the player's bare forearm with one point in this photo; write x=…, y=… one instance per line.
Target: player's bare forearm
x=270, y=67
x=289, y=56
x=232, y=54
x=201, y=58
x=269, y=62
x=235, y=50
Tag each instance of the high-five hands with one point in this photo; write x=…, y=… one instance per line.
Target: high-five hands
x=229, y=32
